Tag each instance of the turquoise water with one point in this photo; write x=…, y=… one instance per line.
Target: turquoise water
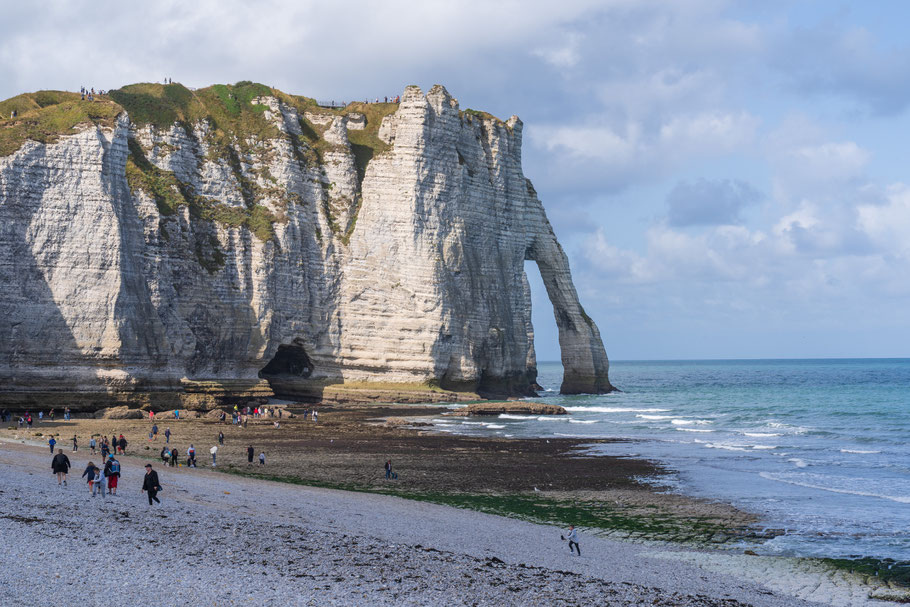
x=817, y=447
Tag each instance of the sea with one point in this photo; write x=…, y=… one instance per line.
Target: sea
x=817, y=448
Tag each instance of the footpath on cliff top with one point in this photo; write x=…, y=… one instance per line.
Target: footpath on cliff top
x=222, y=539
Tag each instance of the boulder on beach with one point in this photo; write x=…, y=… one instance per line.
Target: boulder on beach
x=121, y=412
x=214, y=414
x=513, y=407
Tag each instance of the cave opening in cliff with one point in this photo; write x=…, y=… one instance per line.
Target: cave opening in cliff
x=290, y=360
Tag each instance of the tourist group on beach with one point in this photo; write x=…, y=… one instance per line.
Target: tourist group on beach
x=106, y=478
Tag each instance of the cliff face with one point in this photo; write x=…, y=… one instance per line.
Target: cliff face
x=165, y=249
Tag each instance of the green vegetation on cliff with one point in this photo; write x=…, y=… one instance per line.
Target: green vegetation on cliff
x=235, y=127
x=45, y=116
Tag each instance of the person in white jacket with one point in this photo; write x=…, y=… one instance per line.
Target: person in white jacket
x=100, y=481
x=572, y=536
x=213, y=451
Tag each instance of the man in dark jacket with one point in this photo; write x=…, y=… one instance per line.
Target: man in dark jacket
x=150, y=484
x=61, y=466
x=249, y=454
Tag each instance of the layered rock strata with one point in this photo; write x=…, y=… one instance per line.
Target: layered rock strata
x=141, y=258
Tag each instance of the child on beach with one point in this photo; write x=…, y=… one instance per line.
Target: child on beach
x=90, y=473
x=92, y=444
x=99, y=482
x=262, y=458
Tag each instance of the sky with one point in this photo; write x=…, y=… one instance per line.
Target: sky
x=729, y=179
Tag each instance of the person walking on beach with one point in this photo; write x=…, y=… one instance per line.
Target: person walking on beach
x=61, y=466
x=112, y=472
x=388, y=469
x=167, y=436
x=92, y=444
x=154, y=431
x=104, y=448
x=98, y=484
x=249, y=454
x=191, y=456
x=75, y=444
x=262, y=458
x=151, y=485
x=122, y=445
x=52, y=442
x=165, y=455
x=174, y=456
x=572, y=536
x=89, y=473
x=213, y=451
x=221, y=438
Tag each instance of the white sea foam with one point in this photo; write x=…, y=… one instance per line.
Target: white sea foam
x=654, y=417
x=903, y=499
x=613, y=410
x=859, y=451
x=764, y=447
x=583, y=421
x=726, y=446
x=509, y=416
x=494, y=426
x=798, y=462
x=689, y=422
x=761, y=434
x=551, y=418
x=694, y=430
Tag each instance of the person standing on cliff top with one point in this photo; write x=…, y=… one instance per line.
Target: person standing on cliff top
x=151, y=485
x=61, y=466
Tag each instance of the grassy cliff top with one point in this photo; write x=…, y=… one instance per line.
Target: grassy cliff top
x=230, y=110
x=47, y=115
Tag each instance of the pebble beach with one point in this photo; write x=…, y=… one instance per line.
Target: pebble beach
x=221, y=539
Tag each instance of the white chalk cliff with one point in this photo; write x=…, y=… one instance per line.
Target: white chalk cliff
x=139, y=257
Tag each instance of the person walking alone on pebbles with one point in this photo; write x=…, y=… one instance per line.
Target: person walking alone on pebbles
x=572, y=536
x=221, y=438
x=151, y=485
x=61, y=466
x=214, y=452
x=249, y=454
x=52, y=442
x=167, y=436
x=262, y=458
x=75, y=444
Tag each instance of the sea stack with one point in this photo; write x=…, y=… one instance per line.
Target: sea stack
x=164, y=244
